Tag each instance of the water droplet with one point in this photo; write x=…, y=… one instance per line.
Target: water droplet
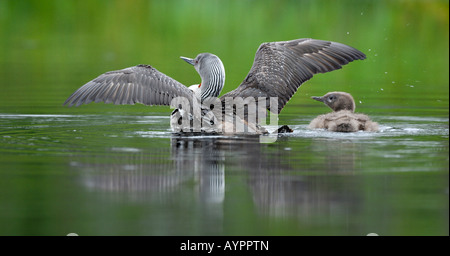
x=385, y=72
x=348, y=33
x=393, y=82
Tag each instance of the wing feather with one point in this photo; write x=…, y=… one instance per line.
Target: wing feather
x=280, y=68
x=139, y=84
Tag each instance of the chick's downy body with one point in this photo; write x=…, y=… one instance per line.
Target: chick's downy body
x=343, y=118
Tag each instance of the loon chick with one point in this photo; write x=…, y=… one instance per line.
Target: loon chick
x=343, y=118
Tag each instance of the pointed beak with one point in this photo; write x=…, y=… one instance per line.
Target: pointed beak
x=188, y=60
x=317, y=98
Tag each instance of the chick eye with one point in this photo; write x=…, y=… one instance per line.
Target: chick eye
x=331, y=98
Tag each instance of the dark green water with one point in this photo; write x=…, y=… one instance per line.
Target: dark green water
x=124, y=175
x=117, y=170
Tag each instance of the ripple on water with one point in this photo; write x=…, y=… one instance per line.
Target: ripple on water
x=158, y=126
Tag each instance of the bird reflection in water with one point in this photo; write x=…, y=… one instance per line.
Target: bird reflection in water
x=282, y=183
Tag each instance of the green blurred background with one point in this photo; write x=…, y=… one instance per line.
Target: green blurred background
x=49, y=48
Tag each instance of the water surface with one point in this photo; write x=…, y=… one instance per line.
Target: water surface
x=129, y=175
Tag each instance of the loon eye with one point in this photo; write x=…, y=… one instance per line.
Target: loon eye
x=331, y=98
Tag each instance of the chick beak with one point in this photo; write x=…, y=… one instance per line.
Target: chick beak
x=317, y=98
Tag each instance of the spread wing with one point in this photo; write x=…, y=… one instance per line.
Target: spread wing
x=280, y=68
x=140, y=84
